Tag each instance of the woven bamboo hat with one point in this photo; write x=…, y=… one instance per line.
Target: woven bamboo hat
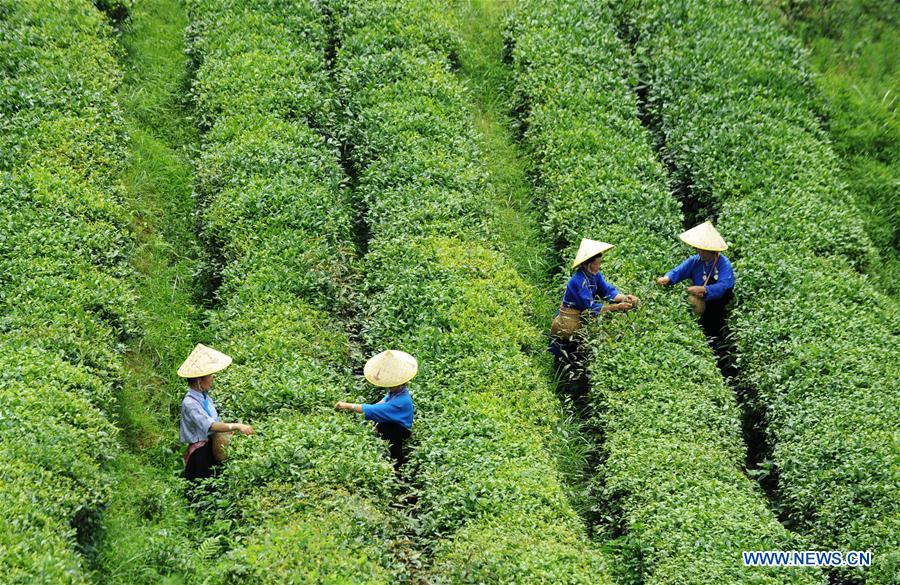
x=588, y=249
x=391, y=368
x=704, y=237
x=203, y=361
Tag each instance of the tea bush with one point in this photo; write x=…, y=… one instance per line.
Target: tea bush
x=672, y=452
x=488, y=492
x=65, y=307
x=854, y=51
x=814, y=337
x=306, y=499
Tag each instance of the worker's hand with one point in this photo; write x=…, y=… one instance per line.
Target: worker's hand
x=631, y=300
x=697, y=291
x=621, y=307
x=244, y=429
x=340, y=406
x=663, y=280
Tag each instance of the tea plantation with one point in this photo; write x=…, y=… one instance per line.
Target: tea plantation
x=302, y=184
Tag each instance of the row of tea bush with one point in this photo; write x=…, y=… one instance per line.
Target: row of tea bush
x=305, y=499
x=65, y=303
x=490, y=506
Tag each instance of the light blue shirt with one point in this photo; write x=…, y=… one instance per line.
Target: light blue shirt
x=396, y=407
x=721, y=281
x=198, y=413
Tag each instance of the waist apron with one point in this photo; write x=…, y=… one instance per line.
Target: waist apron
x=200, y=462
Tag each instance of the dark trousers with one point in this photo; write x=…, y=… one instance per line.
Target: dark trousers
x=713, y=318
x=201, y=463
x=570, y=362
x=713, y=322
x=396, y=435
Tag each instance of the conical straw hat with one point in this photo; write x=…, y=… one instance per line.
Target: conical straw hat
x=203, y=361
x=704, y=237
x=588, y=249
x=391, y=368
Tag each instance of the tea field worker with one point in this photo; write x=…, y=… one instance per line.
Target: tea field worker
x=393, y=414
x=201, y=427
x=586, y=291
x=711, y=276
x=585, y=295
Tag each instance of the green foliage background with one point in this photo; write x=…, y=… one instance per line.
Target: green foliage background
x=305, y=184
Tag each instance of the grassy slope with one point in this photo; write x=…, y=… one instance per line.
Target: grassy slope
x=515, y=214
x=855, y=49
x=159, y=183
x=146, y=527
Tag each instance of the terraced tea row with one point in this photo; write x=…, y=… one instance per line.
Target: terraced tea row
x=309, y=494
x=65, y=306
x=490, y=506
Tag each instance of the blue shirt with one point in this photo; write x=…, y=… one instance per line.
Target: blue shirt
x=396, y=407
x=197, y=414
x=585, y=292
x=696, y=269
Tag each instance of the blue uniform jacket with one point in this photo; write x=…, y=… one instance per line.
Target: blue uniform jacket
x=696, y=269
x=585, y=292
x=396, y=407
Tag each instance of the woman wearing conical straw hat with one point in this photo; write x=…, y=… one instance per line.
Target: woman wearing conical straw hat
x=585, y=293
x=393, y=414
x=201, y=427
x=711, y=276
